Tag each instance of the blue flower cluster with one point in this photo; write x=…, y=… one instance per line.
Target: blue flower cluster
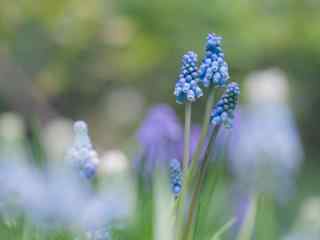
x=187, y=88
x=82, y=155
x=223, y=111
x=175, y=176
x=214, y=70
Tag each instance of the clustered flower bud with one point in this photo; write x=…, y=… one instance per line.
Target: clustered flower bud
x=214, y=70
x=175, y=176
x=187, y=88
x=223, y=111
x=82, y=155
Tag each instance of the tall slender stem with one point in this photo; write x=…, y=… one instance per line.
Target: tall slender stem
x=187, y=127
x=205, y=126
x=223, y=229
x=247, y=227
x=190, y=172
x=199, y=182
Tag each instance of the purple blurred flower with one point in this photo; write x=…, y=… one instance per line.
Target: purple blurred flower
x=159, y=137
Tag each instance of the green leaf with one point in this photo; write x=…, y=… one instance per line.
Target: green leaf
x=247, y=227
x=223, y=229
x=199, y=181
x=266, y=218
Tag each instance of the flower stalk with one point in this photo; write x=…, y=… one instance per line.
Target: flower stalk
x=187, y=128
x=212, y=73
x=199, y=183
x=204, y=130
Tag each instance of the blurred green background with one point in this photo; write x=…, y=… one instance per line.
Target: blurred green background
x=107, y=61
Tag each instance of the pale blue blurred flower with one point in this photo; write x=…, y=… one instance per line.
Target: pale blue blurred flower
x=265, y=150
x=82, y=155
x=54, y=198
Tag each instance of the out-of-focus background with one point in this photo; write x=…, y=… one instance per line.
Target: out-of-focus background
x=108, y=61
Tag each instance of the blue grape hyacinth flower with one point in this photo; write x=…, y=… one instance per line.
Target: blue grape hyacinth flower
x=223, y=111
x=82, y=155
x=175, y=176
x=187, y=88
x=214, y=70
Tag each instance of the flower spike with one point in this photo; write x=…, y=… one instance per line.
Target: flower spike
x=187, y=88
x=175, y=176
x=214, y=70
x=81, y=154
x=223, y=111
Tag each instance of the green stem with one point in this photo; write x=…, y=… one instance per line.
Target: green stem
x=200, y=180
x=27, y=232
x=223, y=229
x=187, y=127
x=266, y=220
x=248, y=225
x=189, y=173
x=205, y=126
x=204, y=131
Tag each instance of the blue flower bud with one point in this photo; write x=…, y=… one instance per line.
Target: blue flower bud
x=175, y=176
x=223, y=111
x=186, y=88
x=214, y=70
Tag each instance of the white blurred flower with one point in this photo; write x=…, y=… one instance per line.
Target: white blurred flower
x=114, y=162
x=307, y=225
x=310, y=214
x=267, y=87
x=163, y=208
x=12, y=138
x=57, y=136
x=11, y=126
x=115, y=175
